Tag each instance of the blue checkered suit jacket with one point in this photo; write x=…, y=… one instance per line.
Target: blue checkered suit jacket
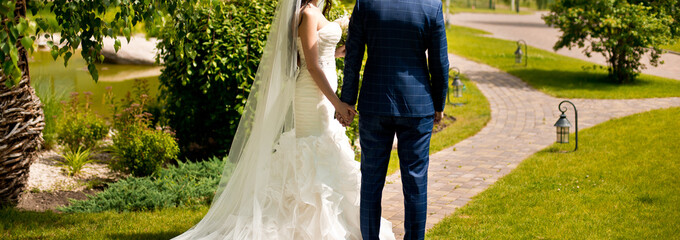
x=397, y=81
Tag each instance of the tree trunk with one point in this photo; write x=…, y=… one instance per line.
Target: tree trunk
x=21, y=125
x=621, y=70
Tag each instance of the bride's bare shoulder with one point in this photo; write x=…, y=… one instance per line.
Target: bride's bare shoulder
x=311, y=12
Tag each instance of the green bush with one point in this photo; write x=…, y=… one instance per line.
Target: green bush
x=78, y=126
x=185, y=185
x=142, y=151
x=139, y=148
x=211, y=51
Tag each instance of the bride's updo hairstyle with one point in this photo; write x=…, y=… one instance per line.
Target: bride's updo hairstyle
x=328, y=4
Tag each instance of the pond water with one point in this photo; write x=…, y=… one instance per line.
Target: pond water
x=50, y=76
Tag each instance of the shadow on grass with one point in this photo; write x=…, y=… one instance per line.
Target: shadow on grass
x=19, y=224
x=28, y=219
x=144, y=236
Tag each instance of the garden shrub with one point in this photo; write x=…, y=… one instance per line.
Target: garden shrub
x=139, y=148
x=211, y=51
x=185, y=185
x=78, y=127
x=142, y=151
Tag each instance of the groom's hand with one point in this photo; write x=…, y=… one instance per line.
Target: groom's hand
x=345, y=114
x=438, y=117
x=344, y=119
x=350, y=119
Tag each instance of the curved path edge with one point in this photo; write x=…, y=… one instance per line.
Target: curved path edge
x=536, y=33
x=521, y=124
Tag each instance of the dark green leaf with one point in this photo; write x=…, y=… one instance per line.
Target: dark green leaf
x=116, y=45
x=67, y=56
x=55, y=54
x=27, y=42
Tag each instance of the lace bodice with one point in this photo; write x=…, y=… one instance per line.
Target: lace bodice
x=328, y=38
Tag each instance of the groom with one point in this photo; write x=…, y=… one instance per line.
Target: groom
x=403, y=92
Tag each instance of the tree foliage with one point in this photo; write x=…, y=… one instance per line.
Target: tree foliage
x=621, y=30
x=82, y=24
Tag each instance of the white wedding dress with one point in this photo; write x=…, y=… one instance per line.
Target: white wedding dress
x=312, y=182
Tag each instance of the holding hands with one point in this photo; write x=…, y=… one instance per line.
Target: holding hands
x=345, y=113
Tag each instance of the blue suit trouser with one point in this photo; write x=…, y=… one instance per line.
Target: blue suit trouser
x=413, y=136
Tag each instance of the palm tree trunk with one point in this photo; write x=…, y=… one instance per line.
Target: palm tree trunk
x=21, y=125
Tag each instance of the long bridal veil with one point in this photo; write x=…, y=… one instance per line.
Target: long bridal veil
x=268, y=114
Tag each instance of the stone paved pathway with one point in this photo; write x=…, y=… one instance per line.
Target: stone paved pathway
x=533, y=30
x=521, y=124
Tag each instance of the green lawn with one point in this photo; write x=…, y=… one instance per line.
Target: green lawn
x=484, y=8
x=552, y=73
x=163, y=224
x=673, y=47
x=470, y=119
x=454, y=10
x=622, y=183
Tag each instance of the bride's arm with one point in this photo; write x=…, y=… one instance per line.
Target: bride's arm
x=308, y=37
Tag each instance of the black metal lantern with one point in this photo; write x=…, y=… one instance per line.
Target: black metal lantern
x=562, y=125
x=456, y=85
x=519, y=54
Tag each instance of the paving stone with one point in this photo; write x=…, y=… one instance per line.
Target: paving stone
x=503, y=143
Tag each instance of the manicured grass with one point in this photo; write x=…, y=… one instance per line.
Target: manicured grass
x=673, y=47
x=486, y=10
x=552, y=73
x=163, y=224
x=622, y=183
x=483, y=8
x=470, y=119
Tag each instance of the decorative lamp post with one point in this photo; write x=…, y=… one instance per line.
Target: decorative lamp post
x=563, y=124
x=519, y=54
x=457, y=86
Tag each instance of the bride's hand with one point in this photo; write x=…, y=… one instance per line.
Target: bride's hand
x=340, y=52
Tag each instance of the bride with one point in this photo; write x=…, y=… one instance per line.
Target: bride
x=291, y=172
